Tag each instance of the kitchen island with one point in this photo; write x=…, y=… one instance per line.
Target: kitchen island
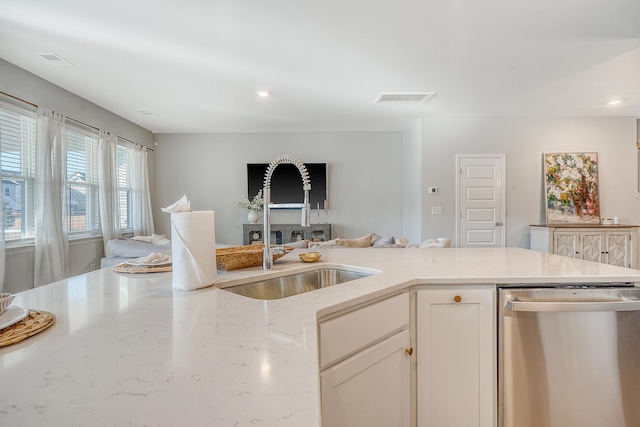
x=129, y=350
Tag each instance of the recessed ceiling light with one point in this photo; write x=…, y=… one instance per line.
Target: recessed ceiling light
x=404, y=97
x=263, y=93
x=615, y=101
x=55, y=59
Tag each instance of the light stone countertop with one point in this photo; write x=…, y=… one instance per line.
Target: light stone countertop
x=129, y=350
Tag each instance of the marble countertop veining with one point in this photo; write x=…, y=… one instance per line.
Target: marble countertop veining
x=129, y=350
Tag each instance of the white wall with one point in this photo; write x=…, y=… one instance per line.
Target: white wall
x=364, y=176
x=524, y=140
x=22, y=84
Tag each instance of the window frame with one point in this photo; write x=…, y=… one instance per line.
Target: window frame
x=126, y=211
x=91, y=189
x=27, y=163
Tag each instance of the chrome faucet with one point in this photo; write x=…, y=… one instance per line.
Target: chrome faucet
x=267, y=252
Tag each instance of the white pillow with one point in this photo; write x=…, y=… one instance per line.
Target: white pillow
x=377, y=240
x=402, y=241
x=296, y=245
x=158, y=239
x=145, y=239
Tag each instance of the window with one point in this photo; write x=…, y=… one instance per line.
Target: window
x=83, y=216
x=125, y=163
x=17, y=167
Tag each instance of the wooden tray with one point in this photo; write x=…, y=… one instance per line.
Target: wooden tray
x=236, y=257
x=126, y=268
x=35, y=322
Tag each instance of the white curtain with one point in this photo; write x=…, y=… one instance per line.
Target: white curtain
x=51, y=237
x=2, y=251
x=141, y=198
x=108, y=188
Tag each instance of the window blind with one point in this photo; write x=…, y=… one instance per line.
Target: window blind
x=83, y=215
x=17, y=167
x=125, y=162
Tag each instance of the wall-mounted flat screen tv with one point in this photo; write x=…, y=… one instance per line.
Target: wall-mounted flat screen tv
x=286, y=183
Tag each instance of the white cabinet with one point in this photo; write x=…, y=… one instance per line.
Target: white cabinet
x=365, y=360
x=607, y=244
x=456, y=357
x=371, y=388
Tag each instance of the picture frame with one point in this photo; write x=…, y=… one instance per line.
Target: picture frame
x=571, y=188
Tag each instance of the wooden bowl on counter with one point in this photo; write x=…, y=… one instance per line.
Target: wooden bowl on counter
x=310, y=256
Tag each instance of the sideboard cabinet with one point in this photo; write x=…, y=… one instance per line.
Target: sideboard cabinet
x=286, y=233
x=608, y=244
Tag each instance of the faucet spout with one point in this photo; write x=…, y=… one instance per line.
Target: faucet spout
x=267, y=253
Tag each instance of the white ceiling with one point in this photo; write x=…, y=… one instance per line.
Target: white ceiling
x=197, y=64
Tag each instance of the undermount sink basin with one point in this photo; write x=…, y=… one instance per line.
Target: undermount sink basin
x=294, y=284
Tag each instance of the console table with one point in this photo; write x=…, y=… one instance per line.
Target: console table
x=608, y=244
x=286, y=233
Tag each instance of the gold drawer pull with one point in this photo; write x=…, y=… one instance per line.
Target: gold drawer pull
x=409, y=351
x=457, y=298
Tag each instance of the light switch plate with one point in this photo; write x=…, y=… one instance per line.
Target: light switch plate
x=436, y=210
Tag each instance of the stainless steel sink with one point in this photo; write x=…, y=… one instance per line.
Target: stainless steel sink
x=294, y=284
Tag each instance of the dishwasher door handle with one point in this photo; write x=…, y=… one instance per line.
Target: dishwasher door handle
x=560, y=306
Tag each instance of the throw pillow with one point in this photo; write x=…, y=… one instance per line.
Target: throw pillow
x=323, y=244
x=377, y=240
x=296, y=245
x=362, y=242
x=145, y=239
x=158, y=239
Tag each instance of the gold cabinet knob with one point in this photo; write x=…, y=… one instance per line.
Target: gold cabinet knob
x=457, y=298
x=409, y=351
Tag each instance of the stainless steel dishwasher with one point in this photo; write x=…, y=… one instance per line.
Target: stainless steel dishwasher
x=569, y=356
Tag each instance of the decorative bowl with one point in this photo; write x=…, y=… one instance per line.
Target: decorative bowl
x=5, y=300
x=236, y=257
x=310, y=256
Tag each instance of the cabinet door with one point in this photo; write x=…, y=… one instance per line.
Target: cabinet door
x=566, y=244
x=456, y=363
x=371, y=388
x=591, y=246
x=618, y=248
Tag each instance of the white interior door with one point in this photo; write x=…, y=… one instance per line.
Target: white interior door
x=480, y=200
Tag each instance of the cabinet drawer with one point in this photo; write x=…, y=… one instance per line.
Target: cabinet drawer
x=346, y=334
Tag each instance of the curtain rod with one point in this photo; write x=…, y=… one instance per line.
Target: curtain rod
x=68, y=118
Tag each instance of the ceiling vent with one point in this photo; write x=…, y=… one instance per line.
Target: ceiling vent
x=55, y=59
x=404, y=97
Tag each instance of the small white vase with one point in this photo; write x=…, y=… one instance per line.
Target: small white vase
x=252, y=217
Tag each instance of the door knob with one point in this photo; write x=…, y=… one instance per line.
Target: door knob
x=498, y=224
x=457, y=298
x=409, y=351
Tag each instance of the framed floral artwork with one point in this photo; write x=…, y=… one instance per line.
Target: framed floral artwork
x=571, y=184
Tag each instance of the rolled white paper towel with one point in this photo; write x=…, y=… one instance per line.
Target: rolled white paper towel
x=193, y=250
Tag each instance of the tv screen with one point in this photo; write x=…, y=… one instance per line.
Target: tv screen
x=286, y=183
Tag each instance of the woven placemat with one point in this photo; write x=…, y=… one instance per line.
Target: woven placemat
x=126, y=268
x=35, y=322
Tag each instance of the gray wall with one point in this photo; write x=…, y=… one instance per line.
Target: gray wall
x=364, y=176
x=524, y=140
x=403, y=166
x=83, y=253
